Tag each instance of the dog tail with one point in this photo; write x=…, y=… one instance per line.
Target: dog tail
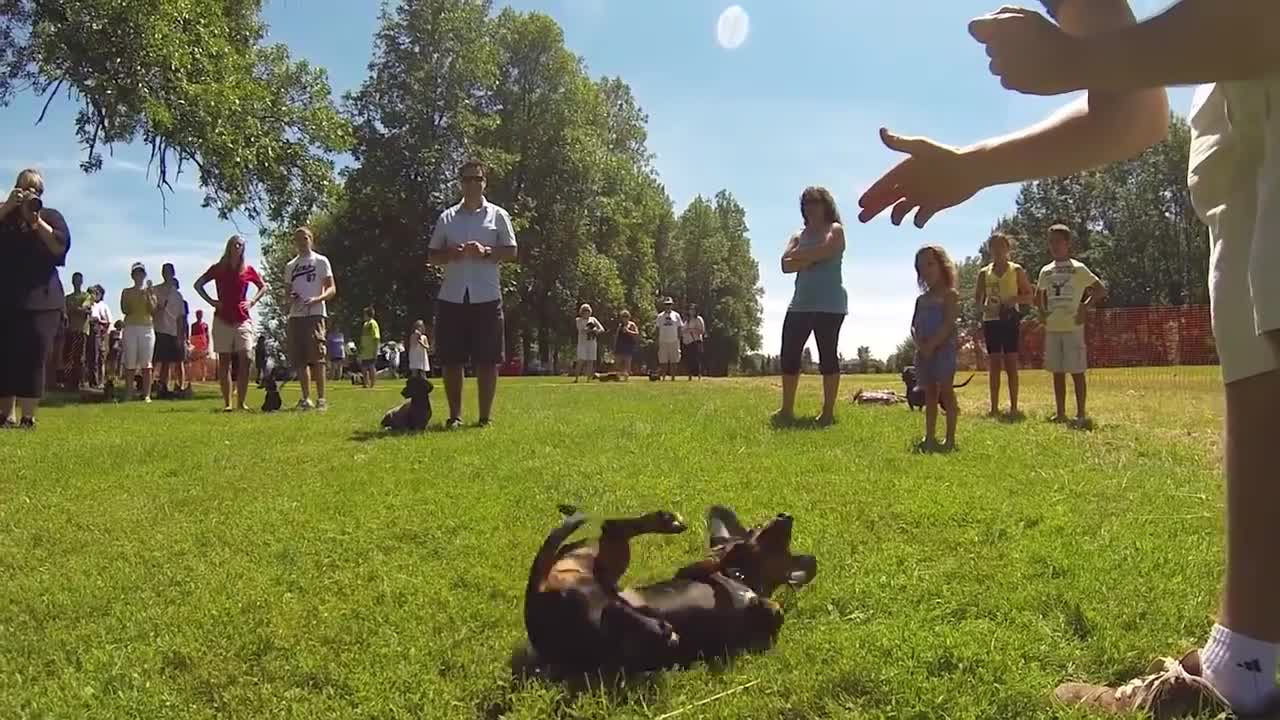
x=966, y=382
x=546, y=556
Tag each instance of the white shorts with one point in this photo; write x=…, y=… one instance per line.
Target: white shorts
x=139, y=344
x=1066, y=352
x=1234, y=178
x=587, y=351
x=230, y=339
x=668, y=353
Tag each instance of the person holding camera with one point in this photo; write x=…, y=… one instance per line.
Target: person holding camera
x=139, y=303
x=1002, y=289
x=589, y=330
x=34, y=242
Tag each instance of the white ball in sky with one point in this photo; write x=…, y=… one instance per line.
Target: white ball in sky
x=732, y=27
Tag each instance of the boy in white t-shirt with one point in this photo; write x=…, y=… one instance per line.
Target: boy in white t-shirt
x=670, y=325
x=309, y=279
x=1066, y=289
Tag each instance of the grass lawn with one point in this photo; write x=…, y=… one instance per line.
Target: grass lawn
x=167, y=561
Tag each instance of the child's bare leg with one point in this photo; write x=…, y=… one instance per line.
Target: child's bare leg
x=953, y=412
x=1081, y=394
x=995, y=365
x=1060, y=394
x=931, y=396
x=1011, y=367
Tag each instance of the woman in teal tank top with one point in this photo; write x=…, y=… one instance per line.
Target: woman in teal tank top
x=819, y=304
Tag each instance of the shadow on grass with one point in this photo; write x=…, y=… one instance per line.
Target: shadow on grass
x=809, y=423
x=619, y=686
x=363, y=436
x=1006, y=418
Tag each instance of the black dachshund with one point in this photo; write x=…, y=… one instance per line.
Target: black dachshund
x=414, y=413
x=915, y=393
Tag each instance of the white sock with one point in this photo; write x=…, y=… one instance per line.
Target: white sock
x=1241, y=668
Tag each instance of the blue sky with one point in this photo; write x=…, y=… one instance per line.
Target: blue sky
x=798, y=103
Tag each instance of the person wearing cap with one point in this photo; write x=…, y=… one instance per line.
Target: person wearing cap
x=34, y=242
x=670, y=325
x=138, y=303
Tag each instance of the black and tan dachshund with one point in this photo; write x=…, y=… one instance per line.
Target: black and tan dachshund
x=414, y=414
x=915, y=393
x=578, y=619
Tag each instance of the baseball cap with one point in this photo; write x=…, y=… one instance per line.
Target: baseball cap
x=668, y=301
x=136, y=267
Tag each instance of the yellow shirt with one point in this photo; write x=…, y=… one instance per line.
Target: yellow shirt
x=1064, y=284
x=137, y=311
x=1000, y=288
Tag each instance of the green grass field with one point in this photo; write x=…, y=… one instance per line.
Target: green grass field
x=167, y=561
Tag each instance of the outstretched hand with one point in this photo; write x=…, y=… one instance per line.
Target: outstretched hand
x=932, y=178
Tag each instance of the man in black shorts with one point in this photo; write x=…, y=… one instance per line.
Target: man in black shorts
x=469, y=240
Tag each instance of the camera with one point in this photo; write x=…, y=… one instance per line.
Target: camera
x=33, y=204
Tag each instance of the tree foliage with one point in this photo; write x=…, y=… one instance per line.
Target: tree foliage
x=567, y=156
x=191, y=80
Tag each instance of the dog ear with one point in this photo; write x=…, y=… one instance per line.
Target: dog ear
x=723, y=526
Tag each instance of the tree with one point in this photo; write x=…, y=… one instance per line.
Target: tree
x=903, y=355
x=193, y=82
x=864, y=358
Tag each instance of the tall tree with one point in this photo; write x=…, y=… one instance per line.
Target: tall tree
x=192, y=81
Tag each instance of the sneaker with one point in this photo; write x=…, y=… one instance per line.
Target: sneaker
x=1172, y=689
x=304, y=405
x=322, y=405
x=453, y=423
x=8, y=424
x=27, y=423
x=146, y=399
x=485, y=422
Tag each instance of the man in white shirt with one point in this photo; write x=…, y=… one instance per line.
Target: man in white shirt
x=309, y=278
x=469, y=241
x=694, y=332
x=169, y=321
x=670, y=325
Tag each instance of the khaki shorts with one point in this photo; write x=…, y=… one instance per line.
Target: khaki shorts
x=1234, y=177
x=307, y=341
x=231, y=339
x=668, y=353
x=1065, y=352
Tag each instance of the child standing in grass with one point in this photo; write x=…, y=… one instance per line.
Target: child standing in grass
x=589, y=328
x=933, y=327
x=419, y=365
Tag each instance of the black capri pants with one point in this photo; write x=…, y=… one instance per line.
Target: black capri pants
x=796, y=328
x=26, y=338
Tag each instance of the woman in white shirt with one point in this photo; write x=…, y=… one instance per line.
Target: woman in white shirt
x=588, y=330
x=100, y=327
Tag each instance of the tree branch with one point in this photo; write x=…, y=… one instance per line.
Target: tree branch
x=52, y=94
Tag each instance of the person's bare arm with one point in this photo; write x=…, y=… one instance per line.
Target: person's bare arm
x=1192, y=42
x=124, y=309
x=1098, y=129
x=789, y=262
x=262, y=291
x=53, y=235
x=980, y=290
x=328, y=288
x=502, y=253
x=831, y=245
x=1026, y=294
x=950, y=313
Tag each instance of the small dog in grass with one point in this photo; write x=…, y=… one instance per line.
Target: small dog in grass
x=915, y=393
x=271, y=386
x=607, y=377
x=414, y=414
